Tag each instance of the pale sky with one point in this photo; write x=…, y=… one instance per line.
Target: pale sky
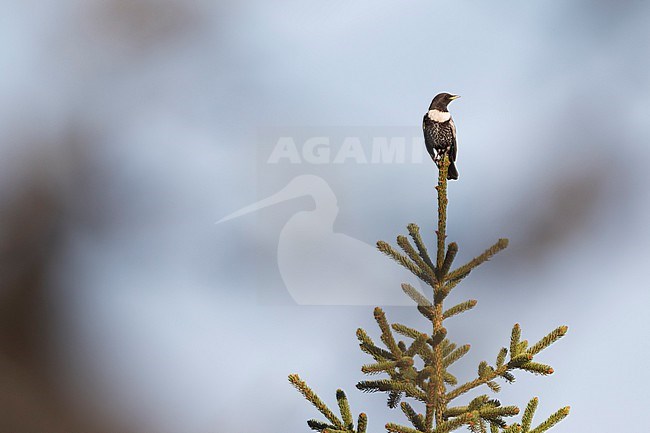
x=153, y=120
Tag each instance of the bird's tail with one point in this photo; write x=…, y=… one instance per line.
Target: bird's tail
x=452, y=172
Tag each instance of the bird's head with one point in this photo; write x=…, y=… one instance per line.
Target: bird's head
x=441, y=101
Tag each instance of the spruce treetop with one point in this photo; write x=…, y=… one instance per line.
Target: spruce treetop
x=432, y=387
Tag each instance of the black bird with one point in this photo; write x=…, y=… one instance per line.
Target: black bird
x=440, y=132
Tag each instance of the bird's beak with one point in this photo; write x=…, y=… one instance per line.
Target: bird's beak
x=454, y=97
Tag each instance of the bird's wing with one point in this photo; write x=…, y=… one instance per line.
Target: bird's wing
x=452, y=149
x=429, y=140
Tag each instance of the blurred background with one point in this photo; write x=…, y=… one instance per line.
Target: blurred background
x=130, y=127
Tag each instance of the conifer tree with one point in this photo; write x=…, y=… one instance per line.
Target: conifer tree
x=432, y=385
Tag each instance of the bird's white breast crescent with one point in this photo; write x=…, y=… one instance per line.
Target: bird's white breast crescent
x=439, y=116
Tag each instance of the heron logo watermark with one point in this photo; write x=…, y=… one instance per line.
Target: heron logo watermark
x=318, y=260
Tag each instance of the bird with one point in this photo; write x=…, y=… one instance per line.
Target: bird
x=440, y=132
